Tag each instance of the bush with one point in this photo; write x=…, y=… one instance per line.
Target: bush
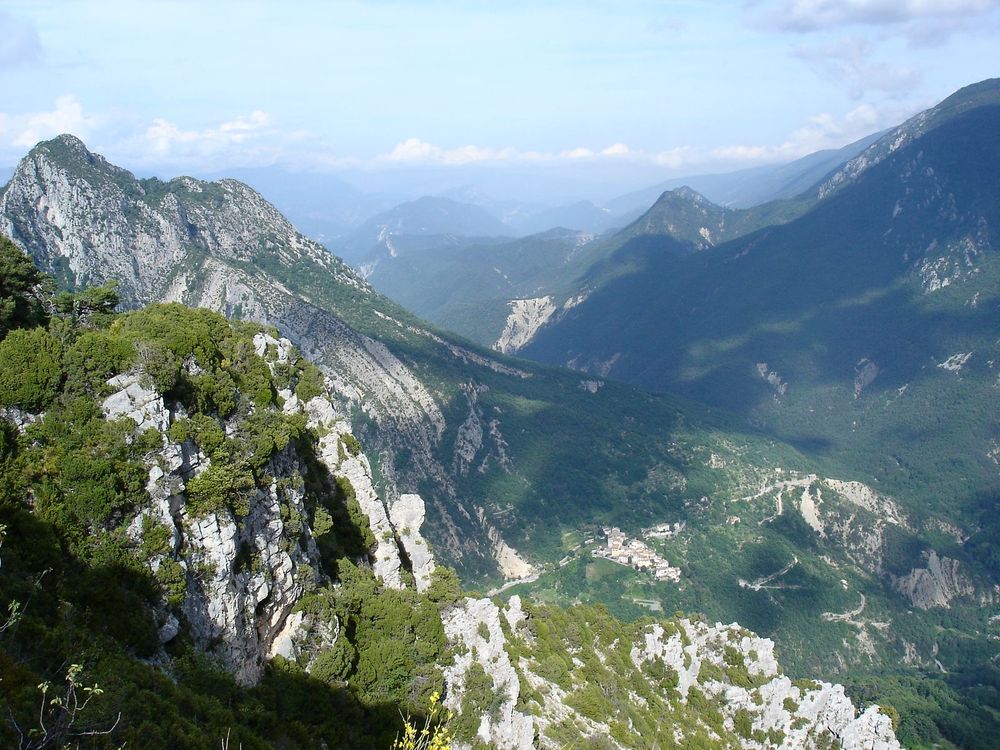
x=743, y=723
x=445, y=587
x=351, y=443
x=310, y=383
x=30, y=369
x=220, y=486
x=20, y=306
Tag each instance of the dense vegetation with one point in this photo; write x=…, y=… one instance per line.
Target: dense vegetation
x=577, y=458
x=76, y=589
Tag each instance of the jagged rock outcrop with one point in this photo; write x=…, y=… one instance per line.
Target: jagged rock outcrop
x=473, y=627
x=237, y=578
x=407, y=516
x=936, y=585
x=801, y=713
x=680, y=667
x=240, y=575
x=525, y=318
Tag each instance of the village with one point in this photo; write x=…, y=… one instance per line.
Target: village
x=637, y=554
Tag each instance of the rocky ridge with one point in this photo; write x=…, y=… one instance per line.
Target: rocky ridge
x=678, y=664
x=221, y=246
x=242, y=575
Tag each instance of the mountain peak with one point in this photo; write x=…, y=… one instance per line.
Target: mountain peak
x=982, y=94
x=64, y=144
x=685, y=191
x=68, y=153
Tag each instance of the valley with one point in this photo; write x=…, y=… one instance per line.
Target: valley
x=782, y=416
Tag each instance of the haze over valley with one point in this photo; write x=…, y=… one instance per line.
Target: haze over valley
x=425, y=376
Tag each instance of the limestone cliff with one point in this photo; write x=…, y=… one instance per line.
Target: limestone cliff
x=220, y=245
x=239, y=575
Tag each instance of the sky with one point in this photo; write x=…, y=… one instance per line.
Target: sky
x=626, y=90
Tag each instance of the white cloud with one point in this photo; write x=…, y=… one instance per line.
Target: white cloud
x=415, y=150
x=615, y=149
x=24, y=130
x=819, y=132
x=165, y=137
x=813, y=15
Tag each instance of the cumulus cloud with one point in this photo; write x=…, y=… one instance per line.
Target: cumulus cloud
x=819, y=132
x=24, y=130
x=19, y=43
x=822, y=131
x=615, y=149
x=165, y=137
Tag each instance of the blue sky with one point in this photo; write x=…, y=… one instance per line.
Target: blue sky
x=662, y=88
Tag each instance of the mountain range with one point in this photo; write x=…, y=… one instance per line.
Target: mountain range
x=844, y=340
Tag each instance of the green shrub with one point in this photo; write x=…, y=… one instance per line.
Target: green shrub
x=743, y=723
x=172, y=578
x=445, y=587
x=351, y=443
x=94, y=357
x=220, y=486
x=310, y=383
x=30, y=369
x=20, y=305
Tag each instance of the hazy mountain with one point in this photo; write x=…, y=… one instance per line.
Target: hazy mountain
x=467, y=285
x=582, y=216
x=750, y=187
x=521, y=465
x=427, y=216
x=498, y=293
x=320, y=205
x=865, y=330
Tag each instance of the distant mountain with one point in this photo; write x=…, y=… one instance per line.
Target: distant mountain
x=582, y=216
x=425, y=216
x=865, y=330
x=751, y=187
x=522, y=466
x=320, y=205
x=500, y=292
x=467, y=285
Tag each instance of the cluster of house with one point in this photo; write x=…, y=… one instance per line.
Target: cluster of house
x=664, y=530
x=636, y=554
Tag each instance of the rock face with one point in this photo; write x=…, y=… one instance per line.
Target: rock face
x=775, y=704
x=241, y=575
x=525, y=318
x=679, y=665
x=407, y=516
x=473, y=625
x=220, y=245
x=142, y=405
x=937, y=584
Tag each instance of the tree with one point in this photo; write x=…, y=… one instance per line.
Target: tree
x=21, y=304
x=92, y=301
